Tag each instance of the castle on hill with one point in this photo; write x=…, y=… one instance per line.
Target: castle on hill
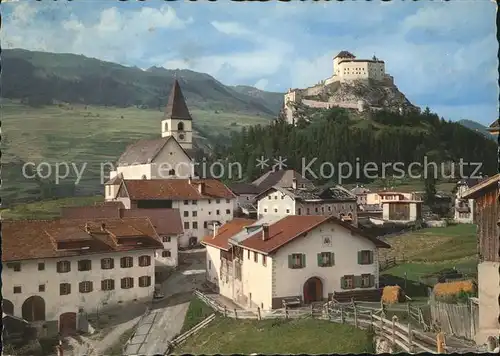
x=347, y=71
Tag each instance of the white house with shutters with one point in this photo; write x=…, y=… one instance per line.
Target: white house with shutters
x=56, y=271
x=292, y=258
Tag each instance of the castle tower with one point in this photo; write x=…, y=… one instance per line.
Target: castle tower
x=343, y=55
x=177, y=121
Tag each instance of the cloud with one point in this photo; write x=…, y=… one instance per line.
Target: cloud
x=230, y=28
x=261, y=84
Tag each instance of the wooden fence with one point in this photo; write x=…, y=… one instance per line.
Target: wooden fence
x=387, y=263
x=404, y=336
x=181, y=338
x=460, y=320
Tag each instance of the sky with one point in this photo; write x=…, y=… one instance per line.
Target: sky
x=441, y=54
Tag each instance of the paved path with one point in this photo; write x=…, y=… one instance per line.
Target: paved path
x=164, y=322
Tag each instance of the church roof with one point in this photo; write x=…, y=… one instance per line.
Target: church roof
x=176, y=105
x=345, y=54
x=144, y=151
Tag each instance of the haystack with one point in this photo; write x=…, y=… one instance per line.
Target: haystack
x=392, y=295
x=454, y=288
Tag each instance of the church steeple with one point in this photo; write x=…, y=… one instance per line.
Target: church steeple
x=177, y=120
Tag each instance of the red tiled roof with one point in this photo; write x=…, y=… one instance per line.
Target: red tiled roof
x=293, y=226
x=38, y=239
x=176, y=189
x=225, y=232
x=165, y=221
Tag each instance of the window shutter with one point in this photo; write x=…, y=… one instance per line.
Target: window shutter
x=332, y=259
x=290, y=261
x=360, y=257
x=342, y=283
x=303, y=260
x=372, y=280
x=357, y=281
x=371, y=257
x=319, y=259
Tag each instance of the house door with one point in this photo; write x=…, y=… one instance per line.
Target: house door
x=67, y=324
x=33, y=309
x=313, y=290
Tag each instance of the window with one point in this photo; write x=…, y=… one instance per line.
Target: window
x=347, y=282
x=308, y=211
x=16, y=266
x=17, y=289
x=127, y=283
x=228, y=211
x=265, y=210
x=296, y=260
x=41, y=266
x=194, y=202
x=299, y=211
x=186, y=202
x=195, y=224
x=126, y=262
x=165, y=253
x=195, y=214
x=171, y=172
x=316, y=210
x=209, y=201
x=84, y=265
x=217, y=212
x=228, y=200
x=41, y=287
x=325, y=259
x=269, y=197
x=329, y=208
x=144, y=281
x=108, y=284
x=107, y=263
x=166, y=238
x=264, y=260
x=275, y=210
x=322, y=209
x=248, y=254
x=85, y=287
x=209, y=264
x=217, y=201
x=186, y=214
x=282, y=197
x=144, y=261
x=205, y=225
x=365, y=257
x=180, y=126
x=255, y=257
x=367, y=281
x=186, y=225
x=288, y=211
x=64, y=289
x=275, y=197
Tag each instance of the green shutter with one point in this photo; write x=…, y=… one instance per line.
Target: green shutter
x=372, y=280
x=290, y=261
x=342, y=282
x=371, y=257
x=319, y=260
x=303, y=260
x=332, y=259
x=360, y=257
x=357, y=281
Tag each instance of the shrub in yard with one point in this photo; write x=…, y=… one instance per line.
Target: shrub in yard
x=453, y=290
x=392, y=294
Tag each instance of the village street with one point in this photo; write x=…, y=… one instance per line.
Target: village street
x=164, y=320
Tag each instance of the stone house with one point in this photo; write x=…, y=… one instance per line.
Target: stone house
x=55, y=271
x=402, y=211
x=201, y=202
x=464, y=208
x=487, y=213
x=292, y=258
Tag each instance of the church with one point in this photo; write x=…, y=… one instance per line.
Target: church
x=168, y=157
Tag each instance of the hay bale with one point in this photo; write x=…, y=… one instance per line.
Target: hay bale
x=454, y=288
x=392, y=295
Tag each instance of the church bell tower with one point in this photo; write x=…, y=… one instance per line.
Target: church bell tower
x=177, y=121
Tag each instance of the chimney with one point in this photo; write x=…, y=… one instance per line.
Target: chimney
x=190, y=181
x=294, y=183
x=201, y=188
x=87, y=228
x=216, y=229
x=265, y=232
x=103, y=227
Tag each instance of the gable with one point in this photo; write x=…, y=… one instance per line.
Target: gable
x=172, y=153
x=122, y=191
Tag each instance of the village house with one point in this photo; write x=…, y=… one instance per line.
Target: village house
x=486, y=198
x=170, y=156
x=379, y=197
x=494, y=128
x=55, y=271
x=201, y=202
x=308, y=201
x=361, y=194
x=247, y=192
x=292, y=258
x=464, y=208
x=402, y=211
x=167, y=222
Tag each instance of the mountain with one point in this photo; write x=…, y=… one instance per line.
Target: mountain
x=274, y=100
x=477, y=127
x=40, y=78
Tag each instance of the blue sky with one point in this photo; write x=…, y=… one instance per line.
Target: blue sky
x=442, y=55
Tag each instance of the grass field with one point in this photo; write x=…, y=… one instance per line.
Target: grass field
x=431, y=250
x=293, y=336
x=88, y=135
x=197, y=311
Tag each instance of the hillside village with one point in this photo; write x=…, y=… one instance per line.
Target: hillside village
x=168, y=246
